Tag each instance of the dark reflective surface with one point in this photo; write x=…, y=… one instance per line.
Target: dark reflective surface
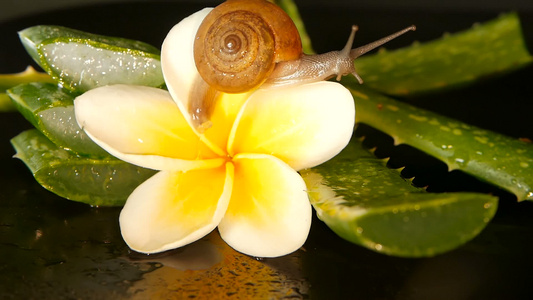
x=51, y=248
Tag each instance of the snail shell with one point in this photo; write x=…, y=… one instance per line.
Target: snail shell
x=240, y=41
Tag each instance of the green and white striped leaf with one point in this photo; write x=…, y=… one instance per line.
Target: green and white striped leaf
x=494, y=47
x=366, y=203
x=50, y=109
x=81, y=61
x=492, y=157
x=99, y=182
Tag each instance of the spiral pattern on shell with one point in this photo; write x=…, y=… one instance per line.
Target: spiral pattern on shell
x=236, y=53
x=239, y=43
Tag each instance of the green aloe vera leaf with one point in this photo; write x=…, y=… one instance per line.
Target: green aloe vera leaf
x=81, y=61
x=292, y=10
x=99, y=182
x=366, y=203
x=5, y=103
x=492, y=157
x=29, y=75
x=50, y=109
x=10, y=80
x=456, y=59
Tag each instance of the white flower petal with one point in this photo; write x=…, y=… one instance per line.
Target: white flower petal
x=173, y=209
x=156, y=162
x=177, y=59
x=303, y=125
x=269, y=213
x=143, y=126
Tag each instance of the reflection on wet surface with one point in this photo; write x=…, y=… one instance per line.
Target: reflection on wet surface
x=210, y=269
x=197, y=256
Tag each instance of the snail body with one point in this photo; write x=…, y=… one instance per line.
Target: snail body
x=243, y=44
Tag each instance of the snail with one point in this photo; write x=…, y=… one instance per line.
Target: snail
x=244, y=44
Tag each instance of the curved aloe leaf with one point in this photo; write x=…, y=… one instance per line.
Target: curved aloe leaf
x=50, y=109
x=10, y=80
x=492, y=157
x=81, y=61
x=99, y=182
x=494, y=47
x=365, y=202
x=5, y=103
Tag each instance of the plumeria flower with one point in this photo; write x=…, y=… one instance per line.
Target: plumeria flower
x=240, y=175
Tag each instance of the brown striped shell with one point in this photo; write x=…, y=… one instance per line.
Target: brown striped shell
x=240, y=41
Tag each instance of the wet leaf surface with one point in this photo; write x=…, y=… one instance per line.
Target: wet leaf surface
x=99, y=182
x=451, y=61
x=501, y=160
x=365, y=202
x=95, y=60
x=50, y=109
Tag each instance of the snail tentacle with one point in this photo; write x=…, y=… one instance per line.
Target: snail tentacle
x=355, y=53
x=313, y=68
x=344, y=56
